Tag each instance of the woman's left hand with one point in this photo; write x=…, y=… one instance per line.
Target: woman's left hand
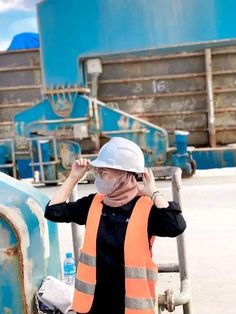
x=149, y=185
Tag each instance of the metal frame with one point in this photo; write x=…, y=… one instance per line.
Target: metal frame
x=41, y=163
x=169, y=300
x=13, y=164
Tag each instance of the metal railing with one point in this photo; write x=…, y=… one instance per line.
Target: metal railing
x=12, y=164
x=38, y=155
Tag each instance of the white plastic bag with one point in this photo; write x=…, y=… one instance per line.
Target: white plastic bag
x=55, y=294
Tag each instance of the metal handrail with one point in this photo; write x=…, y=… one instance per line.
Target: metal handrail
x=40, y=162
x=170, y=300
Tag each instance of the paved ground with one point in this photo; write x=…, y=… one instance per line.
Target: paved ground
x=209, y=205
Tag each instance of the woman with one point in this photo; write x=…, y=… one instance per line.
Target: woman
x=116, y=274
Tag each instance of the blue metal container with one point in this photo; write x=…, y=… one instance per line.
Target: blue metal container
x=29, y=248
x=99, y=27
x=210, y=158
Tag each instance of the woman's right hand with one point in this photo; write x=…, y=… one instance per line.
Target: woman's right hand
x=79, y=168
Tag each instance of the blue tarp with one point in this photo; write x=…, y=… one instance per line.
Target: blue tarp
x=24, y=41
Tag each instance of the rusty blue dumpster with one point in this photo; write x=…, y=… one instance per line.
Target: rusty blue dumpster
x=29, y=247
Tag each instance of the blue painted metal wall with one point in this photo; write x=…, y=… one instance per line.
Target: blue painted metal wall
x=109, y=26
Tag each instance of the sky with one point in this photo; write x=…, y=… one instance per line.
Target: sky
x=16, y=16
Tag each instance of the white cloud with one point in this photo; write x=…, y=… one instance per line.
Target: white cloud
x=4, y=44
x=24, y=25
x=6, y=5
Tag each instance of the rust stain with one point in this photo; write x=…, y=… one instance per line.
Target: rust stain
x=34, y=60
x=21, y=264
x=11, y=251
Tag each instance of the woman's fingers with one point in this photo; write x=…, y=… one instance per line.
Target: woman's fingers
x=148, y=176
x=82, y=162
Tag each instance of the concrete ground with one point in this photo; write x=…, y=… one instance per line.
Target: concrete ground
x=209, y=207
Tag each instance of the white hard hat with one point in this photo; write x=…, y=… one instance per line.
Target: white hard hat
x=120, y=153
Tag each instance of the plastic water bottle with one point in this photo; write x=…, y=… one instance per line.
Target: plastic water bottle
x=69, y=268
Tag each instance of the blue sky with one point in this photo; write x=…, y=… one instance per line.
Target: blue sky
x=16, y=16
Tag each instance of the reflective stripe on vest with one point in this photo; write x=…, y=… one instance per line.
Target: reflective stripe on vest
x=87, y=259
x=84, y=287
x=86, y=270
x=140, y=271
x=139, y=303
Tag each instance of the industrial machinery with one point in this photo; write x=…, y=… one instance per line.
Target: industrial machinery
x=164, y=76
x=70, y=123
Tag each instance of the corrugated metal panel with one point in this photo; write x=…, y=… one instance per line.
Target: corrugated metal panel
x=224, y=82
x=20, y=85
x=170, y=91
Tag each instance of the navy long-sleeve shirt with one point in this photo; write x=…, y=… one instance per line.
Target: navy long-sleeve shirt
x=110, y=281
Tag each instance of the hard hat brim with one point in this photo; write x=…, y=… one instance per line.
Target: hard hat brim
x=101, y=164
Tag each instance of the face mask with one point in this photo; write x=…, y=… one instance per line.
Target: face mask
x=106, y=187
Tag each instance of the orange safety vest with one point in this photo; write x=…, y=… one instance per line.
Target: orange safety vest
x=140, y=270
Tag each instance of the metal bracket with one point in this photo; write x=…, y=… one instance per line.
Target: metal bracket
x=170, y=300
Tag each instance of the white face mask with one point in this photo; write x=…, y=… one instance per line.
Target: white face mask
x=106, y=187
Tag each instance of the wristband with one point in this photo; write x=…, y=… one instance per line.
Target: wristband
x=154, y=195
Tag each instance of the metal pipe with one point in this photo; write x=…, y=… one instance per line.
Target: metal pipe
x=151, y=78
x=153, y=58
x=180, y=299
x=170, y=113
x=224, y=90
x=45, y=163
x=126, y=131
x=26, y=104
x=222, y=72
x=76, y=235
x=13, y=159
x=55, y=149
x=210, y=99
x=20, y=68
x=32, y=158
x=40, y=161
x=181, y=247
x=169, y=300
x=23, y=87
x=94, y=87
x=59, y=121
x=78, y=89
x=67, y=120
x=6, y=165
x=224, y=52
x=97, y=123
x=125, y=114
x=163, y=95
x=6, y=123
x=90, y=108
x=168, y=268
